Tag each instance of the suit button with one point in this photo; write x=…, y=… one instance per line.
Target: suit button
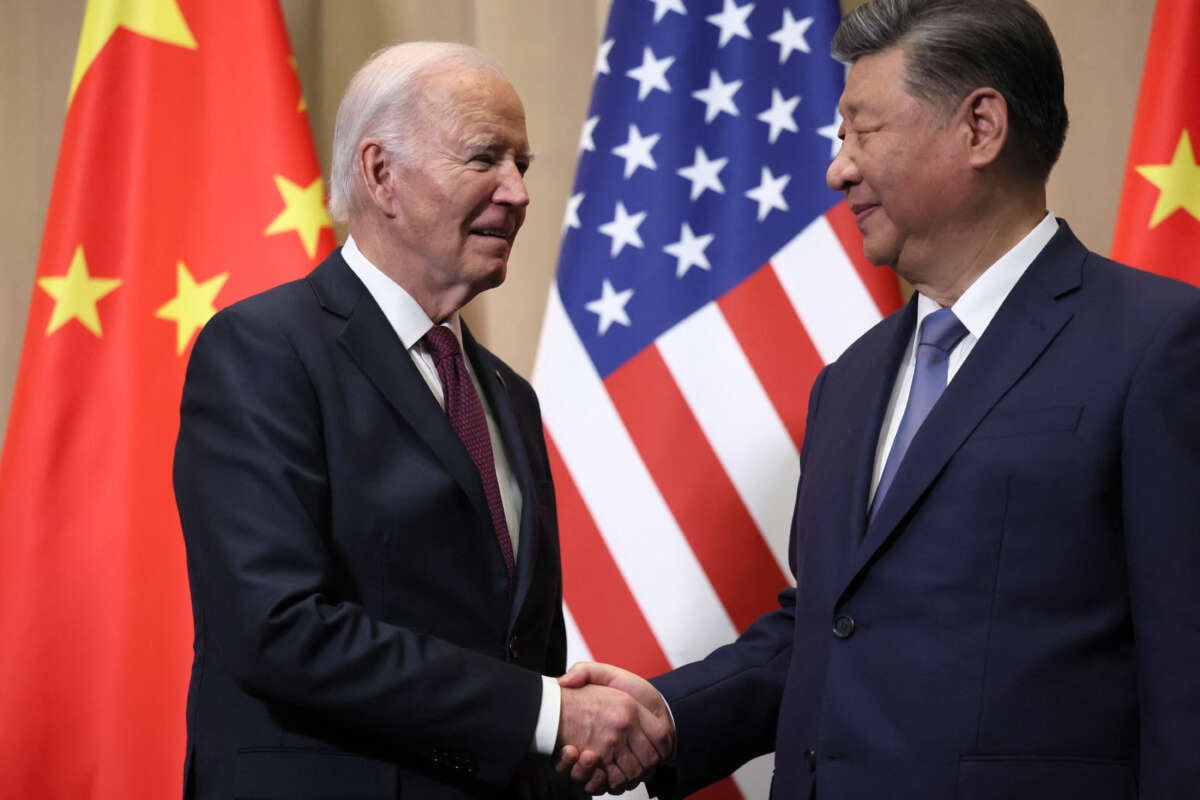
x=843, y=626
x=512, y=649
x=810, y=759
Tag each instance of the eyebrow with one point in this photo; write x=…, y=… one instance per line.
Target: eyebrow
x=492, y=144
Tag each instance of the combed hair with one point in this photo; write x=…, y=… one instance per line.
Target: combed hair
x=953, y=47
x=382, y=102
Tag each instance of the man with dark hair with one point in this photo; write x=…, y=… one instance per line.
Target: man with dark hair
x=996, y=539
x=953, y=47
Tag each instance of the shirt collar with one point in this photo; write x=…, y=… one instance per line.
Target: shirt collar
x=977, y=306
x=405, y=315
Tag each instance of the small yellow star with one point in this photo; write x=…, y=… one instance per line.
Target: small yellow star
x=302, y=105
x=192, y=305
x=156, y=19
x=76, y=294
x=1178, y=182
x=304, y=212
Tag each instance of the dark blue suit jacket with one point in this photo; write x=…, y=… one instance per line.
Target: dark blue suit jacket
x=356, y=636
x=1021, y=619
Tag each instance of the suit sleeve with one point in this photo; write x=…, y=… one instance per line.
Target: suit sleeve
x=726, y=707
x=1161, y=507
x=533, y=437
x=253, y=493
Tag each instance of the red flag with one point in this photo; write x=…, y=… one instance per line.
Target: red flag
x=186, y=180
x=1158, y=226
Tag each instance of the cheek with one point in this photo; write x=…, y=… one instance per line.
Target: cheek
x=472, y=204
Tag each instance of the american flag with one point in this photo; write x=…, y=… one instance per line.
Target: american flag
x=706, y=275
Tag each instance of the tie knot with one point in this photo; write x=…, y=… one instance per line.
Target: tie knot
x=441, y=342
x=942, y=330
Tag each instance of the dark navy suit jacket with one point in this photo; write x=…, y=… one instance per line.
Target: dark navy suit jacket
x=1021, y=619
x=356, y=635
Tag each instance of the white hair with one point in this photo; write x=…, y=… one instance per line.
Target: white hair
x=381, y=103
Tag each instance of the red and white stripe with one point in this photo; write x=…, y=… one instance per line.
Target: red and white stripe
x=676, y=475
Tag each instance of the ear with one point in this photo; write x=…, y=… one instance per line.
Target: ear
x=377, y=169
x=985, y=113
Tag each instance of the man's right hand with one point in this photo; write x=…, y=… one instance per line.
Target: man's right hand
x=614, y=728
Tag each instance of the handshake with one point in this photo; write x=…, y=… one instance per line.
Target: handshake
x=614, y=728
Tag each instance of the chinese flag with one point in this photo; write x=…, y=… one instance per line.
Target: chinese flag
x=186, y=180
x=1158, y=226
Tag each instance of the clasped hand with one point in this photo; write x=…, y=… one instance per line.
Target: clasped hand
x=614, y=729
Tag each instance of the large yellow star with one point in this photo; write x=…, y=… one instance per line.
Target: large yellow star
x=156, y=19
x=192, y=306
x=304, y=212
x=76, y=294
x=1178, y=182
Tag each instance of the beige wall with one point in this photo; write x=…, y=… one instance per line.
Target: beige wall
x=547, y=47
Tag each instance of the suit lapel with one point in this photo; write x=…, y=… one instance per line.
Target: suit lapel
x=1025, y=325
x=499, y=400
x=876, y=375
x=372, y=344
x=859, y=385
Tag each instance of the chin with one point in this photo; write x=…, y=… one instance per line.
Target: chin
x=492, y=277
x=878, y=256
x=500, y=273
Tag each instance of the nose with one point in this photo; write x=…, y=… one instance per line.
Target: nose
x=843, y=172
x=511, y=189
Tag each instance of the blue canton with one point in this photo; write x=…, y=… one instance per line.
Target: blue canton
x=711, y=126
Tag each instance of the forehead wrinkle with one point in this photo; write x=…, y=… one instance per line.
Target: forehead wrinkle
x=443, y=96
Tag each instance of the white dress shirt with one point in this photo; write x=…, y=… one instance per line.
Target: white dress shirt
x=411, y=323
x=975, y=310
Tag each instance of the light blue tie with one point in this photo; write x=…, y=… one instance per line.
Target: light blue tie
x=940, y=332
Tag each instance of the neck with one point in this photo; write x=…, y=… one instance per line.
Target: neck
x=438, y=302
x=989, y=232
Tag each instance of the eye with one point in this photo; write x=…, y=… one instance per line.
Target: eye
x=485, y=159
x=522, y=166
x=855, y=136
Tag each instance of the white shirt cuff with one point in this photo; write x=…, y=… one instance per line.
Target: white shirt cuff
x=545, y=735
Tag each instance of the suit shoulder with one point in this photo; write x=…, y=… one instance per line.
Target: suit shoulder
x=278, y=301
x=267, y=320
x=294, y=301
x=1137, y=286
x=1138, y=306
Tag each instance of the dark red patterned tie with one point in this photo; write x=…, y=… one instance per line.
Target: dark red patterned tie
x=466, y=417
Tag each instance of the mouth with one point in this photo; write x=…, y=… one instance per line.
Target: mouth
x=493, y=233
x=504, y=231
x=862, y=210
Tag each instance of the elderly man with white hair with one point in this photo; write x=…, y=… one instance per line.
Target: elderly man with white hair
x=365, y=492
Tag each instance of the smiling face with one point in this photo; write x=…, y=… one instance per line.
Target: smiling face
x=903, y=166
x=457, y=204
